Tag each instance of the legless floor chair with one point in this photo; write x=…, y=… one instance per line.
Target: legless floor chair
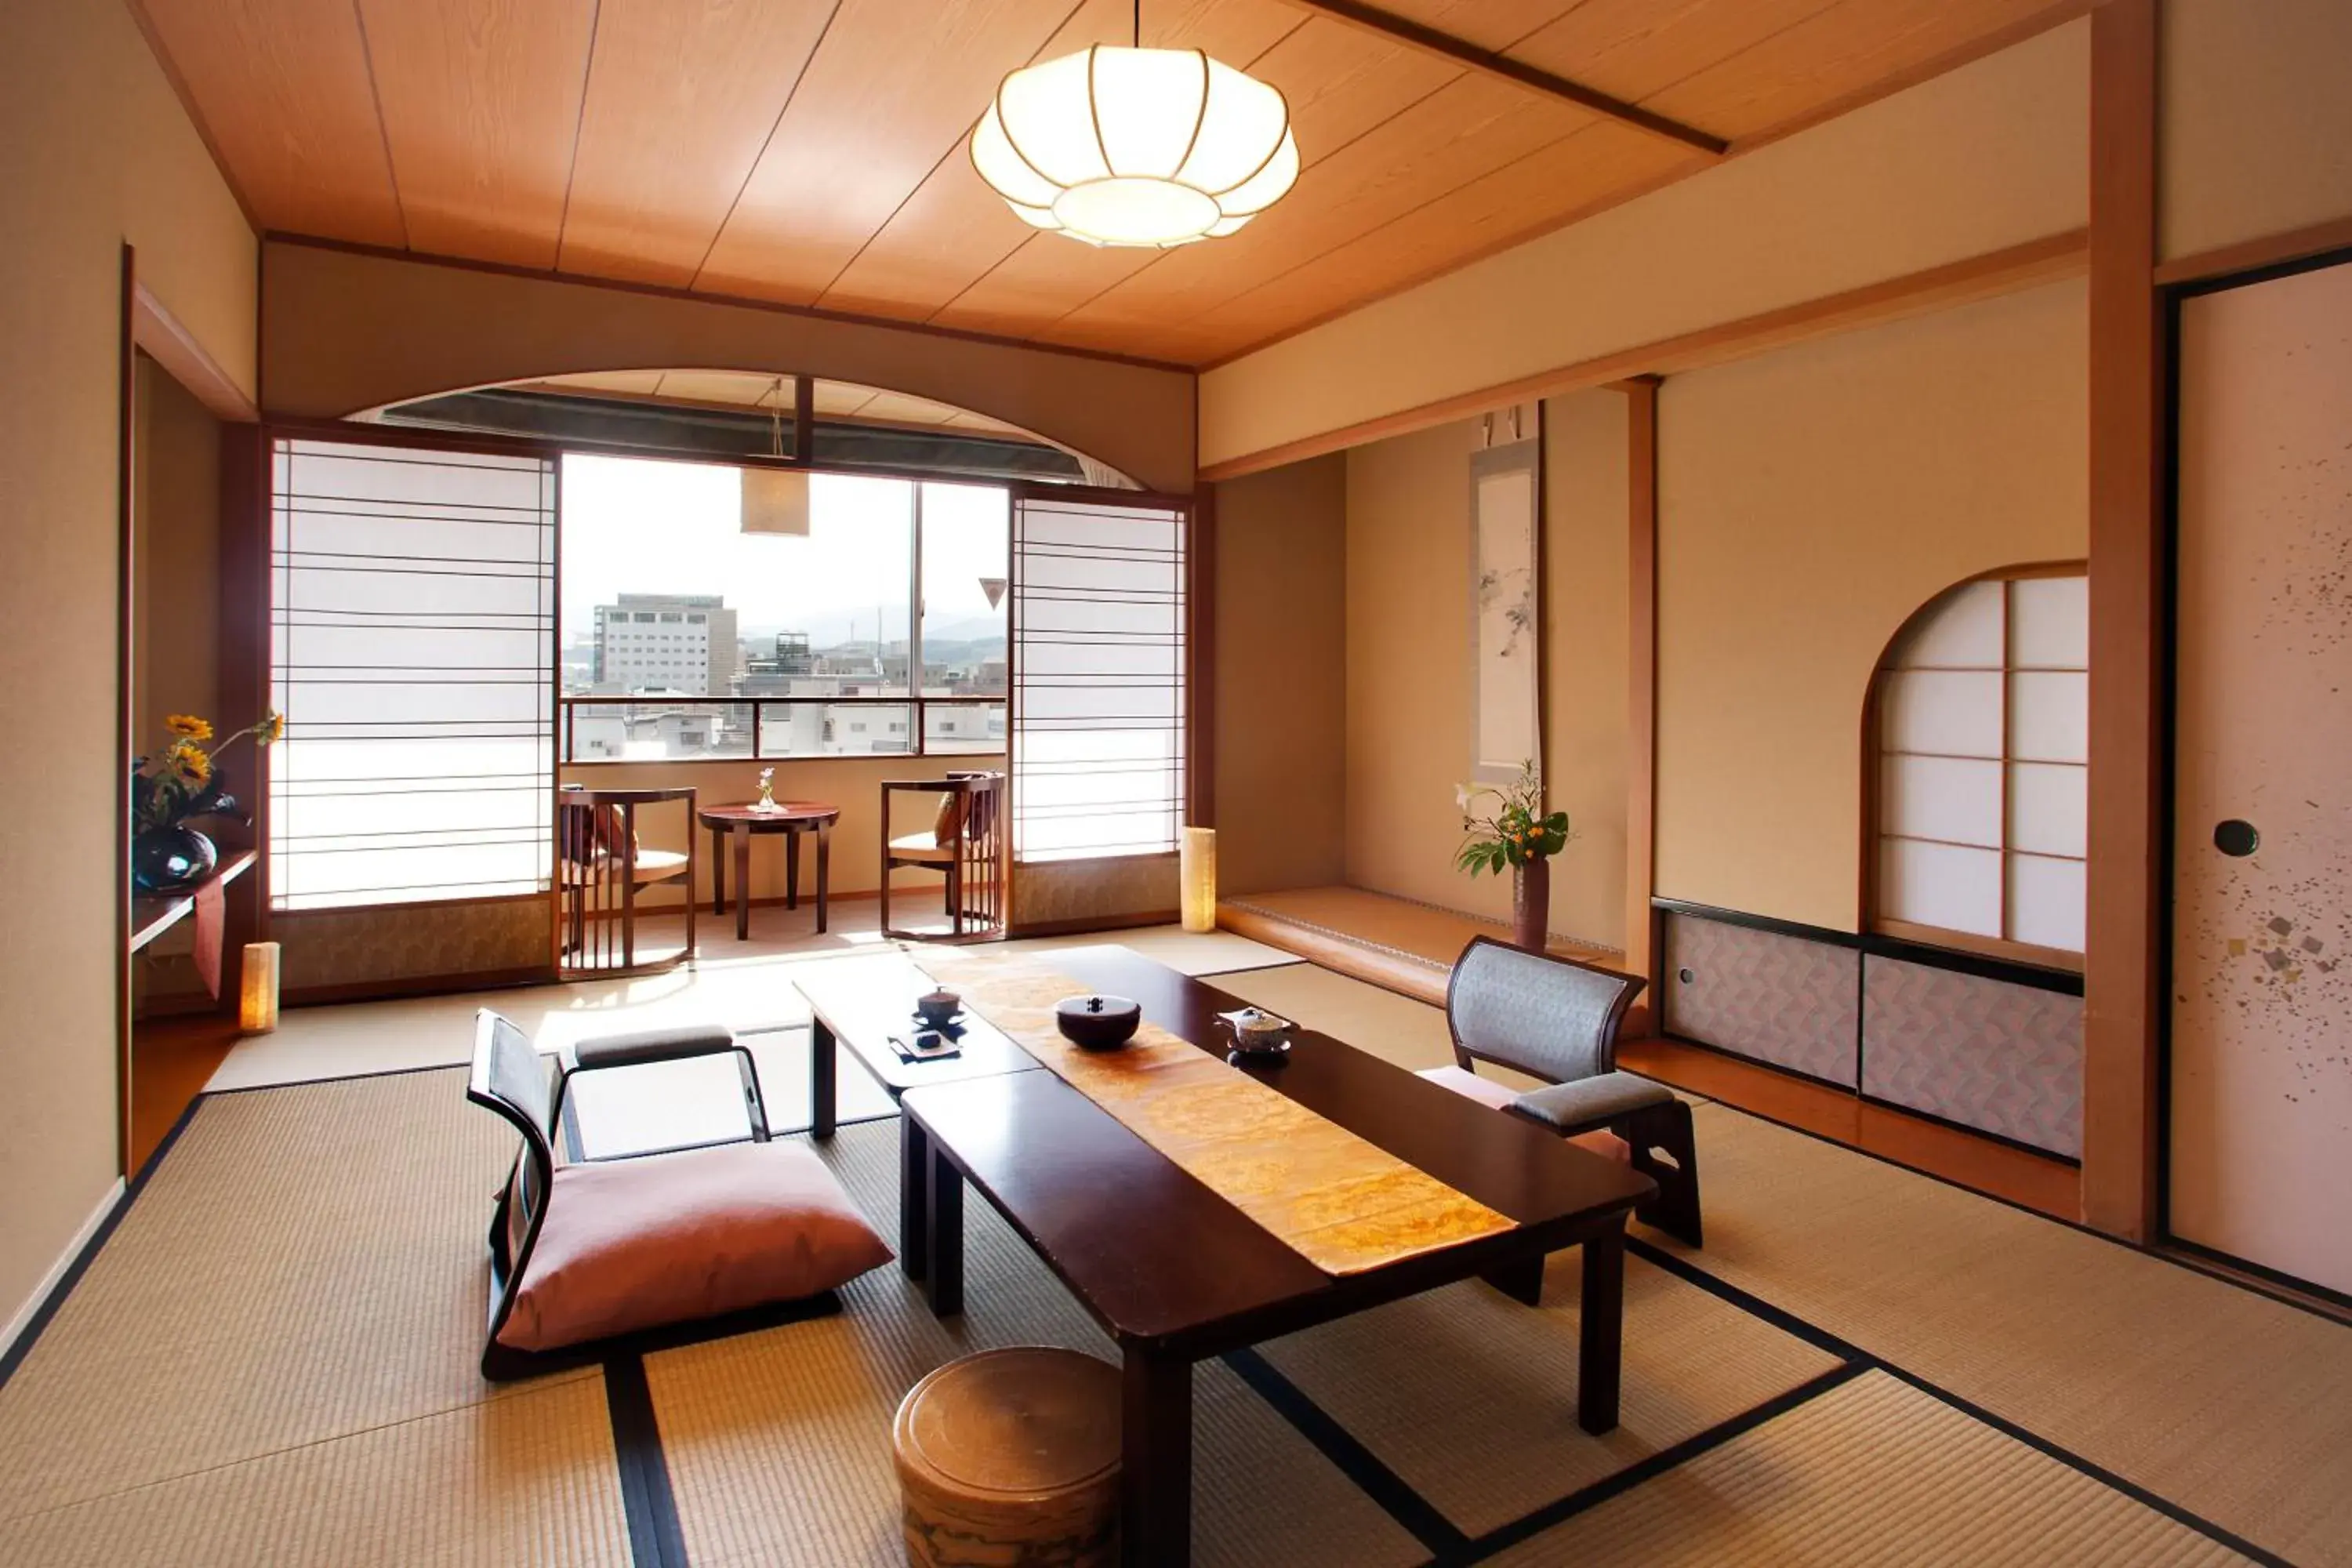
x=1557, y=1019
x=593, y=1255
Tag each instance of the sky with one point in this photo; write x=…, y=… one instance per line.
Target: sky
x=646, y=526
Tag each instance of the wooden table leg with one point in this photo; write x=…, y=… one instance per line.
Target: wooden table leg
x=742, y=836
x=1600, y=1347
x=792, y=869
x=718, y=871
x=943, y=1254
x=1521, y=1279
x=823, y=871
x=820, y=1076
x=1155, y=1481
x=914, y=1197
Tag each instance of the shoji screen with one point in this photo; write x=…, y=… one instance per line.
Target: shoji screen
x=413, y=614
x=1099, y=662
x=1982, y=745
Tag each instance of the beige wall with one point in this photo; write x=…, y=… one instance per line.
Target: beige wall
x=93, y=151
x=175, y=543
x=345, y=331
x=1585, y=675
x=2256, y=134
x=1810, y=500
x=1408, y=679
x=1408, y=725
x=1987, y=156
x=1281, y=678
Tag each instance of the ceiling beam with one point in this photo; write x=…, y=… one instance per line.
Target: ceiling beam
x=1445, y=45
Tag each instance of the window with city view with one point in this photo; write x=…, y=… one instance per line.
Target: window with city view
x=710, y=611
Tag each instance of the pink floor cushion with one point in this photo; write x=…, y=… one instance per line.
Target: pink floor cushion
x=634, y=1244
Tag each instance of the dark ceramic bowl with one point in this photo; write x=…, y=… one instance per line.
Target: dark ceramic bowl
x=937, y=1007
x=1098, y=1023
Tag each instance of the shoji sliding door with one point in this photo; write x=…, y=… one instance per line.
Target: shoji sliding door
x=2259, y=1086
x=1099, y=701
x=413, y=612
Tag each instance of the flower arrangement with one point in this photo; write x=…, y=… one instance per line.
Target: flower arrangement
x=183, y=780
x=1513, y=830
x=767, y=801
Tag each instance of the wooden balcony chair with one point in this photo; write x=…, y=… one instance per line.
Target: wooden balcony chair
x=965, y=845
x=1557, y=1019
x=603, y=866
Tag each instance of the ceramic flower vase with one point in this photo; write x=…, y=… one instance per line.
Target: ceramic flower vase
x=1531, y=902
x=169, y=859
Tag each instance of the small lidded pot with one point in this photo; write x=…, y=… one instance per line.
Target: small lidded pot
x=1259, y=1033
x=937, y=1008
x=1098, y=1023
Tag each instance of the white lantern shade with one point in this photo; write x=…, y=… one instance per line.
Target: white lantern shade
x=1135, y=147
x=1196, y=874
x=257, y=1001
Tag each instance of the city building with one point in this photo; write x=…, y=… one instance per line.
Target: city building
x=663, y=642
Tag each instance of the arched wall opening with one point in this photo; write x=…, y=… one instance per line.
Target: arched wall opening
x=347, y=330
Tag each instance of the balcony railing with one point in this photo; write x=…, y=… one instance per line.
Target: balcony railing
x=778, y=729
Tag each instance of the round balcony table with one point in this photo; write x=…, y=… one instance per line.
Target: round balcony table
x=790, y=818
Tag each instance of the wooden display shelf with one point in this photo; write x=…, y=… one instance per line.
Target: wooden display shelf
x=153, y=914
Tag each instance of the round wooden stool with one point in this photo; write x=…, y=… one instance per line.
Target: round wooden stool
x=1010, y=1459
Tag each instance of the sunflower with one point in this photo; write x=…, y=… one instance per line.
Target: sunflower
x=188, y=726
x=271, y=730
x=188, y=759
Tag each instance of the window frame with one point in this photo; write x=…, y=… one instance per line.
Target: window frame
x=2004, y=948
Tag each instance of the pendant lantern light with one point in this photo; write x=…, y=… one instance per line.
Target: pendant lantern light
x=1136, y=146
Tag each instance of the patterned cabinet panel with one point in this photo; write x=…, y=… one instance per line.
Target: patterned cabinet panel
x=1984, y=1053
x=1780, y=999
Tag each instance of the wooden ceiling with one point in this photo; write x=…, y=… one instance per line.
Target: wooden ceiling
x=738, y=390
x=810, y=152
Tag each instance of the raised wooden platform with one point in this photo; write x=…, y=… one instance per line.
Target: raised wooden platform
x=1395, y=943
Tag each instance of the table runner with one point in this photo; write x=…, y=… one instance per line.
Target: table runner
x=1342, y=1203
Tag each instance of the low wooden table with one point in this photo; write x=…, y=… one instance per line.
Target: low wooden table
x=860, y=1003
x=1176, y=1275
x=791, y=818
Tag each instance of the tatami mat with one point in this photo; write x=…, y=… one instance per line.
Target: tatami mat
x=1878, y=1475
x=748, y=988
x=779, y=1443
x=305, y=1264
x=1189, y=953
x=1470, y=1398
x=526, y=1479
x=2233, y=1406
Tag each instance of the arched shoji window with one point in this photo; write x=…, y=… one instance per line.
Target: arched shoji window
x=1980, y=729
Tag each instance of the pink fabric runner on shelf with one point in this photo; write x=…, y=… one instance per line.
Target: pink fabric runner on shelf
x=211, y=917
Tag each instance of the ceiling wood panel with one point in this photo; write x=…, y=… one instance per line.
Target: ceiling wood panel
x=1831, y=56
x=284, y=93
x=481, y=103
x=813, y=150
x=954, y=228
x=889, y=94
x=1471, y=127
x=1633, y=48
x=681, y=97
x=1578, y=174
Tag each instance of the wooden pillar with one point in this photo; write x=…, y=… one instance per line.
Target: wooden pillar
x=2123, y=1006
x=1641, y=696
